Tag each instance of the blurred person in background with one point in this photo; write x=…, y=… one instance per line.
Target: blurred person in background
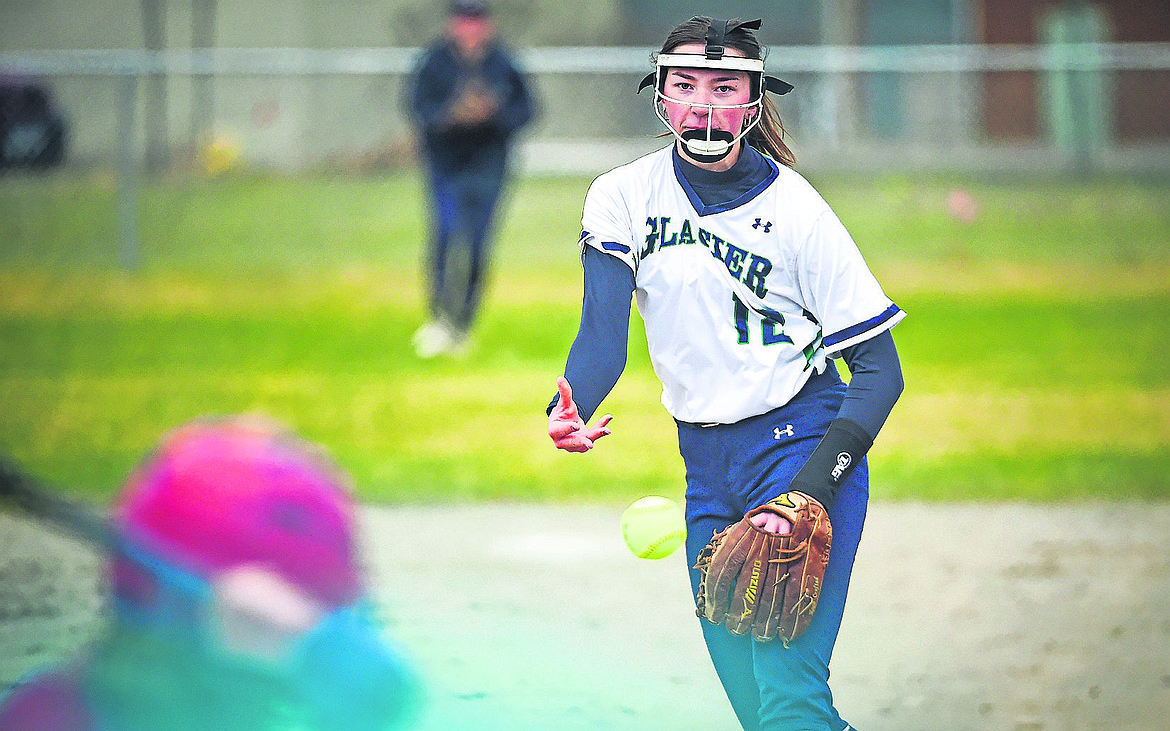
x=238, y=603
x=467, y=100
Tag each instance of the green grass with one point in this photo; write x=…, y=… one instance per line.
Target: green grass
x=1106, y=220
x=1034, y=351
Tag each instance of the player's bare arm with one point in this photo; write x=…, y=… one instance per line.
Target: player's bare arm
x=567, y=429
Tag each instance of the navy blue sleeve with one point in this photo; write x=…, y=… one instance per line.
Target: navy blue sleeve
x=875, y=383
x=518, y=108
x=598, y=355
x=874, y=387
x=429, y=88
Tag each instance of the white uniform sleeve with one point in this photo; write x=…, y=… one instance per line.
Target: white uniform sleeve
x=839, y=289
x=605, y=222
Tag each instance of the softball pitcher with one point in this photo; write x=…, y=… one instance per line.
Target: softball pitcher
x=748, y=285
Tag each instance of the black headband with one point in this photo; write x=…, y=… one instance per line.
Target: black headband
x=715, y=35
x=777, y=86
x=717, y=31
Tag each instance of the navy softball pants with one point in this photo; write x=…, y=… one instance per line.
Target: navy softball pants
x=732, y=468
x=463, y=203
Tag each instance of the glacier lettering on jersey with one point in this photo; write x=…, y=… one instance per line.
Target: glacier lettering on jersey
x=751, y=269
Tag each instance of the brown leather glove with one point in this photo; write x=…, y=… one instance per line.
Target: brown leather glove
x=474, y=104
x=762, y=582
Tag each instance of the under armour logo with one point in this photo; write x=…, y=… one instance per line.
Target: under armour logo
x=785, y=432
x=767, y=225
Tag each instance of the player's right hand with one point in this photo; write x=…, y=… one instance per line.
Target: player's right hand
x=565, y=426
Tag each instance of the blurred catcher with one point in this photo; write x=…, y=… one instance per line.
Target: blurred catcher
x=238, y=601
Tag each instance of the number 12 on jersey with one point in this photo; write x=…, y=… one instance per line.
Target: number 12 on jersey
x=771, y=323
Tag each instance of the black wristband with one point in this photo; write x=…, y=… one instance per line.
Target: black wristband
x=842, y=447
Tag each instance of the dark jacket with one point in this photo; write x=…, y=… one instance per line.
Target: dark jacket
x=439, y=77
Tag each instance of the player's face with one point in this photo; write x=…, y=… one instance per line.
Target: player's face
x=688, y=92
x=470, y=34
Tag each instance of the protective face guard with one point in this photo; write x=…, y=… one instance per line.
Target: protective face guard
x=713, y=145
x=707, y=145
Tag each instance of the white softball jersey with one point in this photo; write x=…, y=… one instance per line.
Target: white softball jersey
x=743, y=301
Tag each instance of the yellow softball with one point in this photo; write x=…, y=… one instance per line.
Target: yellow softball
x=653, y=527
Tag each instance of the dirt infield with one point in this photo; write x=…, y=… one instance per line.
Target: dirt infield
x=535, y=617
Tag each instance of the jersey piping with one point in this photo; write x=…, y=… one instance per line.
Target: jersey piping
x=861, y=327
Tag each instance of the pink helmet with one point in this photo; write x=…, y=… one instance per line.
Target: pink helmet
x=221, y=493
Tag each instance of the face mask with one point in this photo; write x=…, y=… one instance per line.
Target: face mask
x=709, y=145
